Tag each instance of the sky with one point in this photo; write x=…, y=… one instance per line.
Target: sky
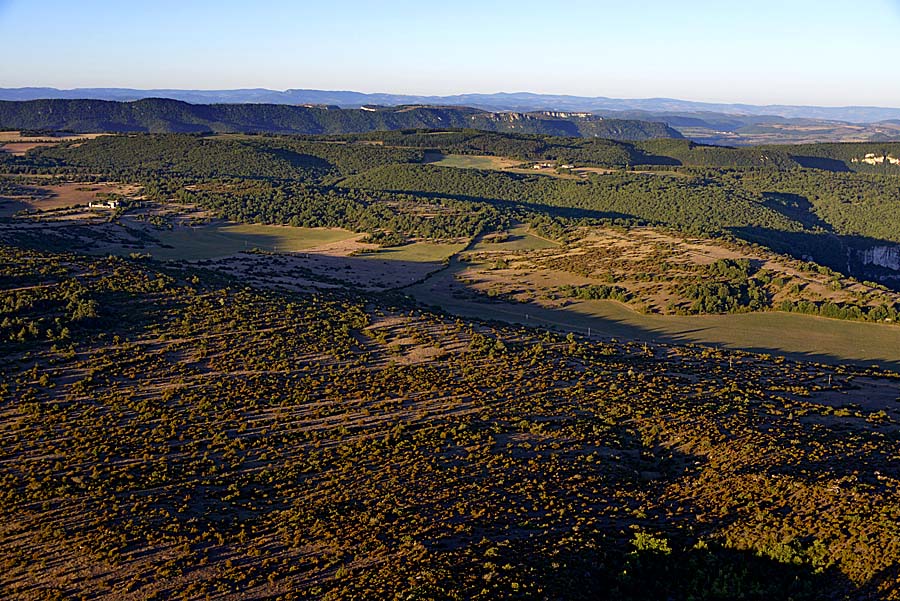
x=821, y=52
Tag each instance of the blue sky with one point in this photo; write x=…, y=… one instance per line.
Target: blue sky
x=791, y=51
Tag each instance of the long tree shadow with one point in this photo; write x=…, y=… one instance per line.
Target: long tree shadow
x=796, y=207
x=638, y=552
x=822, y=163
x=546, y=209
x=599, y=570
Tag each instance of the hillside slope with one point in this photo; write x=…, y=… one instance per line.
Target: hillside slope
x=503, y=101
x=158, y=115
x=170, y=434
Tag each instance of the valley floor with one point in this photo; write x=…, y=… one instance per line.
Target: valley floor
x=776, y=333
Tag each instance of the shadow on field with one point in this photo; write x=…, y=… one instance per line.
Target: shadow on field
x=796, y=336
x=707, y=336
x=9, y=207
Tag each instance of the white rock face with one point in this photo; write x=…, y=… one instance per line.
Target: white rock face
x=873, y=159
x=560, y=115
x=882, y=256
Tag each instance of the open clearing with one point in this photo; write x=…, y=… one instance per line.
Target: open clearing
x=518, y=238
x=464, y=161
x=794, y=335
x=60, y=196
x=346, y=262
x=20, y=148
x=419, y=252
x=498, y=163
x=653, y=266
x=16, y=136
x=221, y=240
x=495, y=163
x=14, y=143
x=606, y=171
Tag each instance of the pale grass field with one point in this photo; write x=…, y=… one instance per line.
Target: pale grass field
x=221, y=240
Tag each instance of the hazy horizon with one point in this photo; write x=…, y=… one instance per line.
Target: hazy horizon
x=463, y=93
x=805, y=53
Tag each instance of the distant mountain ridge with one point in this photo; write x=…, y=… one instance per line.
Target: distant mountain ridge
x=503, y=101
x=160, y=115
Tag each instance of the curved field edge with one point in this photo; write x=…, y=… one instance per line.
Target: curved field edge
x=774, y=332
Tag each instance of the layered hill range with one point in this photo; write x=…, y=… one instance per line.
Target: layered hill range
x=717, y=123
x=159, y=115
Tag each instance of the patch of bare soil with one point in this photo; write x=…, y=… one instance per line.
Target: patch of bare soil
x=20, y=148
x=69, y=195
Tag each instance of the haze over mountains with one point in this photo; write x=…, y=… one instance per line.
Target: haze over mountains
x=710, y=123
x=503, y=101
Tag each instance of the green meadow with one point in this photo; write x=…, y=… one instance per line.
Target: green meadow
x=211, y=241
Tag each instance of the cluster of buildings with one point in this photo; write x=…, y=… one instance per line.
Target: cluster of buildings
x=552, y=166
x=109, y=204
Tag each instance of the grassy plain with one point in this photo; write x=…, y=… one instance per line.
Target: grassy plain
x=220, y=240
x=790, y=334
x=419, y=252
x=517, y=238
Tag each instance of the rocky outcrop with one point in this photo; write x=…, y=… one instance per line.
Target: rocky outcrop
x=873, y=159
x=881, y=256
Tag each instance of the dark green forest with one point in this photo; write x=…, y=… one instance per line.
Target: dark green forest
x=159, y=115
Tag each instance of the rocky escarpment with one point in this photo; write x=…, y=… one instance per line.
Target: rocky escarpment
x=874, y=159
x=159, y=115
x=881, y=256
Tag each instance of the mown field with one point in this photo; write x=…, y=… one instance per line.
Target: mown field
x=419, y=252
x=220, y=240
x=464, y=161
